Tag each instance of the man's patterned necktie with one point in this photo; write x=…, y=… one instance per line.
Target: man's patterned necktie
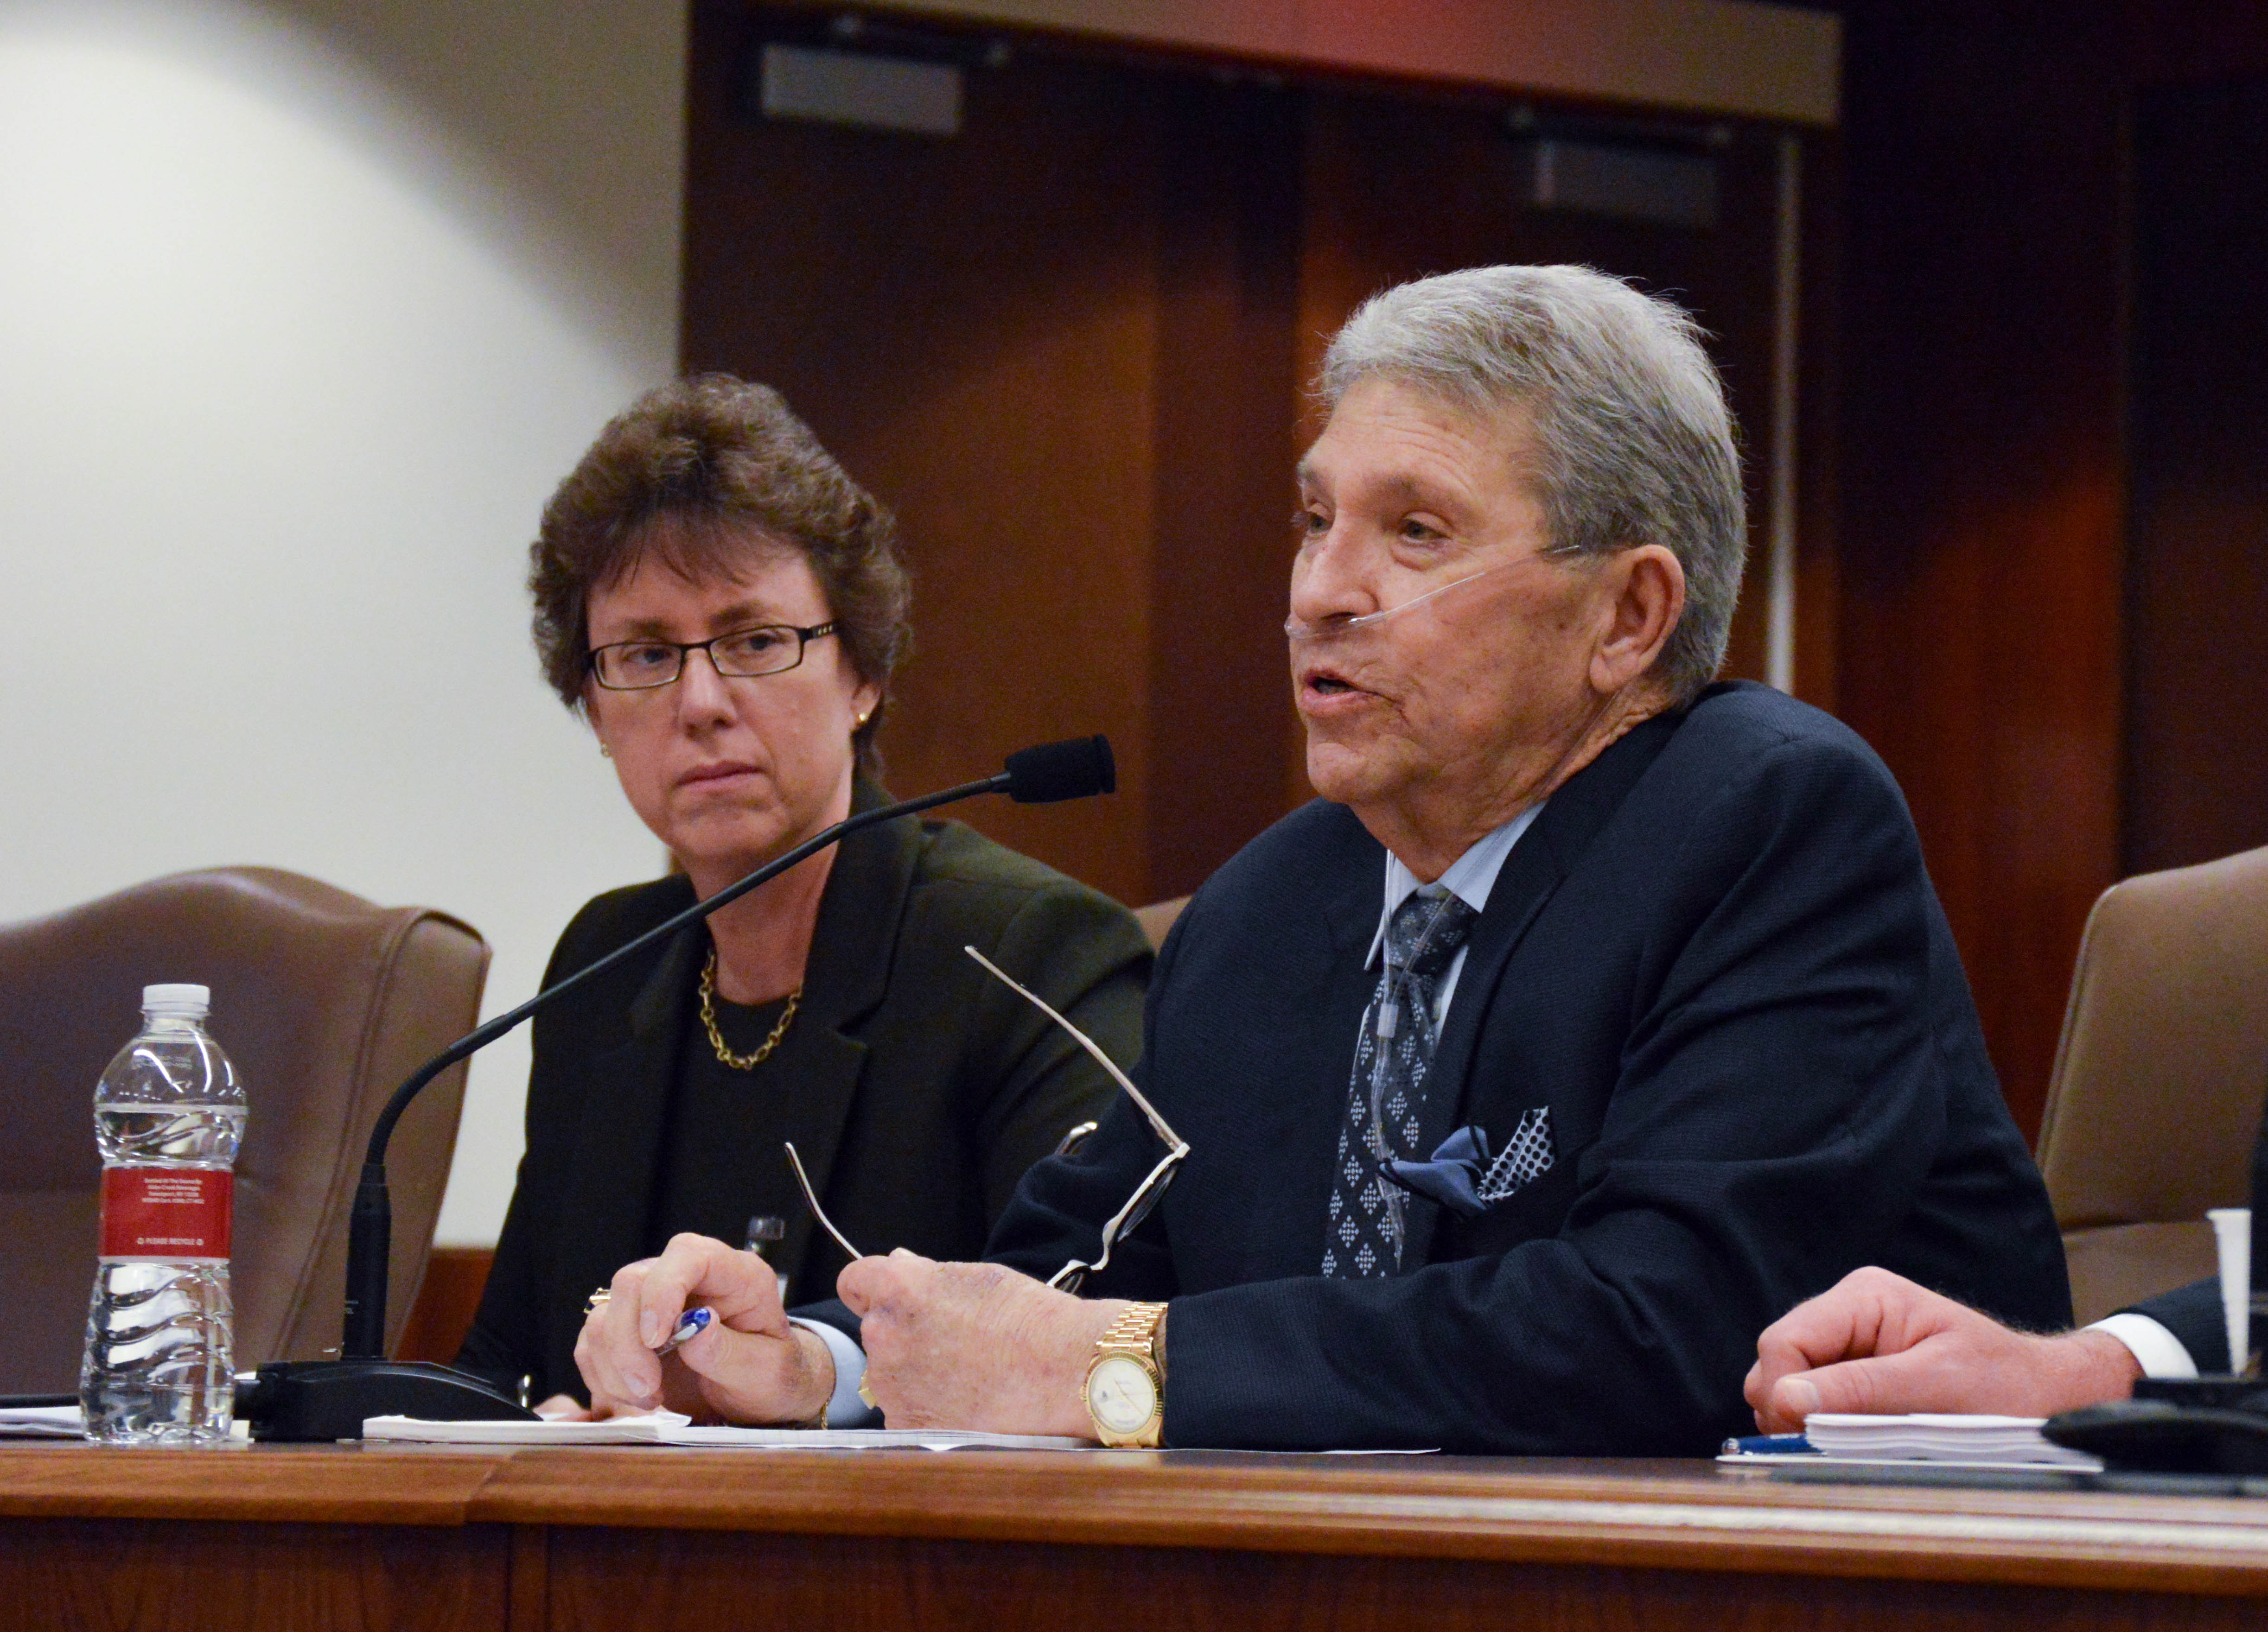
x=1388, y=1086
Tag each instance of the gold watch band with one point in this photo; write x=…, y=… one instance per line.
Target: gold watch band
x=1135, y=1331
x=1135, y=1335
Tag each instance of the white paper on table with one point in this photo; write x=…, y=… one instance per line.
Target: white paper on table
x=1357, y=1451
x=669, y=1427
x=1813, y=1459
x=61, y=1422
x=1940, y=1437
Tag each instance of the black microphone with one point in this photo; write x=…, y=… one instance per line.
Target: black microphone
x=1060, y=770
x=329, y=1400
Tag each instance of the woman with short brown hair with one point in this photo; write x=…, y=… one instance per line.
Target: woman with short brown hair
x=725, y=607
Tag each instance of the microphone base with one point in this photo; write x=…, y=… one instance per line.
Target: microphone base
x=2185, y=1425
x=307, y=1401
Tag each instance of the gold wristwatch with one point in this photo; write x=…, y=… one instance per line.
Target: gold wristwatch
x=1125, y=1391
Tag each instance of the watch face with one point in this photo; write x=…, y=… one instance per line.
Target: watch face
x=1121, y=1393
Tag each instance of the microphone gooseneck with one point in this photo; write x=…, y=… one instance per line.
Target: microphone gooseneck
x=1073, y=770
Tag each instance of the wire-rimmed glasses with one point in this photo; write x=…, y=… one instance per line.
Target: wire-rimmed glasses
x=742, y=654
x=1122, y=1222
x=1127, y=1219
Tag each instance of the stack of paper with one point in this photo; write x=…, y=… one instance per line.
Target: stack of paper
x=668, y=1428
x=1939, y=1438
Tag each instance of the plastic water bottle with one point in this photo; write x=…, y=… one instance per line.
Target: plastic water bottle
x=168, y=1114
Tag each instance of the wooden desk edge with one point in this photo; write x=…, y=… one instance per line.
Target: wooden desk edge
x=1612, y=1520
x=244, y=1484
x=1526, y=1513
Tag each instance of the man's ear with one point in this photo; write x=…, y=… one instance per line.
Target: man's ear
x=1643, y=590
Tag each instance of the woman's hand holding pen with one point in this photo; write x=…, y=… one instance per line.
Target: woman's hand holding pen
x=749, y=1365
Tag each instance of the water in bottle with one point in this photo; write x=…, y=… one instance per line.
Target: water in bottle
x=168, y=1114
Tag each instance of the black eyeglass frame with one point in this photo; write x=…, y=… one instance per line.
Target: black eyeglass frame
x=685, y=649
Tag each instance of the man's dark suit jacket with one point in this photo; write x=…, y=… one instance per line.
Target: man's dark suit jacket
x=919, y=1089
x=1717, y=959
x=2193, y=1314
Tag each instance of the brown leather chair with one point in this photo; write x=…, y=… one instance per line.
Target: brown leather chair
x=324, y=1001
x=2159, y=1081
x=1157, y=918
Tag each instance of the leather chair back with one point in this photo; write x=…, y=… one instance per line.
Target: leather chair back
x=2159, y=1081
x=1158, y=918
x=324, y=1001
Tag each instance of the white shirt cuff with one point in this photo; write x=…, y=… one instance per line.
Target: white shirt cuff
x=845, y=1408
x=2158, y=1351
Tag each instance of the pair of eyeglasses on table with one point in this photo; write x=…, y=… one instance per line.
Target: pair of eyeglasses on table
x=1122, y=1222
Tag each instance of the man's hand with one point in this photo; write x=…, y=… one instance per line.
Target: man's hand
x=974, y=1346
x=749, y=1366
x=1877, y=1343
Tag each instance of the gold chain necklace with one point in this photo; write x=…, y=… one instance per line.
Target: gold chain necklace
x=740, y=1062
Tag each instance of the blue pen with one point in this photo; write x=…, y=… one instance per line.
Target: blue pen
x=1770, y=1444
x=691, y=1324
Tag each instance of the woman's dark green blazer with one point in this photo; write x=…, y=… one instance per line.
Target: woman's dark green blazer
x=919, y=1088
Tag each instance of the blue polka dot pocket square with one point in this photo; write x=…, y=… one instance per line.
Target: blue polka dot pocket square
x=1463, y=1177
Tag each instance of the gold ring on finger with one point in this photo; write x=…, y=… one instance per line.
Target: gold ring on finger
x=597, y=1300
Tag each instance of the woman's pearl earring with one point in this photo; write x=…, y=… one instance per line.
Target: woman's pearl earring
x=863, y=719
x=606, y=752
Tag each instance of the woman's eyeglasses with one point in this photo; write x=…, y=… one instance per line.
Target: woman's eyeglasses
x=744, y=654
x=1122, y=1222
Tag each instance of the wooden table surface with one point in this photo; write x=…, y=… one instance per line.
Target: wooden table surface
x=559, y=1537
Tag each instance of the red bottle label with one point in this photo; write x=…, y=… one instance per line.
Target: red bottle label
x=167, y=1215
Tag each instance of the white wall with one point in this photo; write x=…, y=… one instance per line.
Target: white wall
x=304, y=308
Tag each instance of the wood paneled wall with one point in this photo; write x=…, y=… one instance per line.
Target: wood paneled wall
x=1985, y=601
x=975, y=354
x=1980, y=534
x=2197, y=682
x=1220, y=716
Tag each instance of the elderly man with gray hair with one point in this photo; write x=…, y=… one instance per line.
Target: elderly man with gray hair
x=1595, y=1013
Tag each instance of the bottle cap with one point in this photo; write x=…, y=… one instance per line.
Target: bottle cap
x=186, y=1003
